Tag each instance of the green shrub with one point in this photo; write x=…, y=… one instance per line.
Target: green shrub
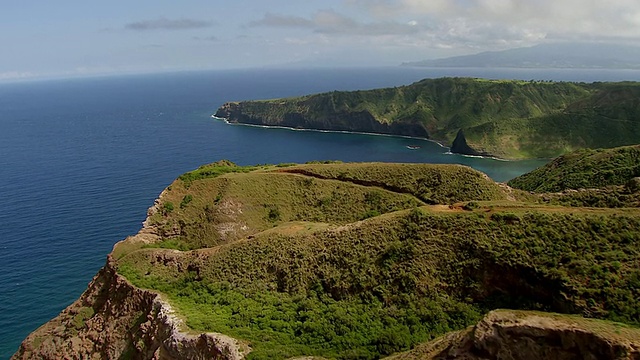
x=470, y=206
x=167, y=207
x=185, y=201
x=369, y=214
x=273, y=214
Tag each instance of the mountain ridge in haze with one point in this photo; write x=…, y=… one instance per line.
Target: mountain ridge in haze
x=558, y=55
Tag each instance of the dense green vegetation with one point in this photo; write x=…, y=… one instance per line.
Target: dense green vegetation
x=357, y=261
x=608, y=197
x=392, y=282
x=511, y=119
x=213, y=170
x=281, y=325
x=583, y=169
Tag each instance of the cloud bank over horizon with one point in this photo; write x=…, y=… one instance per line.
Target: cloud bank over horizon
x=167, y=24
x=202, y=34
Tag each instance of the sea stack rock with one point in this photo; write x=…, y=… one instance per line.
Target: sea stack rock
x=460, y=146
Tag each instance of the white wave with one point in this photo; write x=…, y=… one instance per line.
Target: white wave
x=328, y=131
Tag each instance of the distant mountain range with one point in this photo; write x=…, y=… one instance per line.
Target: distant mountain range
x=566, y=55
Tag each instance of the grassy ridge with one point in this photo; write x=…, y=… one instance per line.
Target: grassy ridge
x=512, y=119
x=583, y=169
x=222, y=202
x=433, y=184
x=233, y=206
x=608, y=197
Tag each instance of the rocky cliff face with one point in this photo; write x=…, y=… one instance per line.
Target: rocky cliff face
x=257, y=113
x=460, y=146
x=113, y=319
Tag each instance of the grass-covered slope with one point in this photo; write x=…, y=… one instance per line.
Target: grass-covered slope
x=358, y=261
x=222, y=202
x=433, y=184
x=583, y=169
x=511, y=119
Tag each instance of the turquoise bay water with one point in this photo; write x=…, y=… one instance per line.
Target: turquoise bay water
x=82, y=160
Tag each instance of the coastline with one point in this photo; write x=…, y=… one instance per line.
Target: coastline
x=448, y=152
x=479, y=157
x=328, y=131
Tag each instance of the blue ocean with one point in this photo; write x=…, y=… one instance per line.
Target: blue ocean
x=81, y=161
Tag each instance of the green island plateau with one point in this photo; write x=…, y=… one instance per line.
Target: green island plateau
x=502, y=118
x=331, y=260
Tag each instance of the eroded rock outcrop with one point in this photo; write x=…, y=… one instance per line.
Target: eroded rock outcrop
x=506, y=334
x=460, y=146
x=115, y=320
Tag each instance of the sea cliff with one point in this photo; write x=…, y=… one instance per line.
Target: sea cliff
x=505, y=119
x=113, y=319
x=360, y=121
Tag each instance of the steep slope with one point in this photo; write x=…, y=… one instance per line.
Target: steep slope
x=510, y=119
x=115, y=320
x=349, y=261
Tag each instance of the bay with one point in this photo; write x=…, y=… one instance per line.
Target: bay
x=81, y=161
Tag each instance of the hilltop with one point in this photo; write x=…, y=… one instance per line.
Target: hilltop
x=584, y=169
x=587, y=177
x=506, y=119
x=356, y=261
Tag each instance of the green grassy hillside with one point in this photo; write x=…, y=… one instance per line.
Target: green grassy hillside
x=583, y=169
x=433, y=184
x=358, y=261
x=222, y=202
x=510, y=119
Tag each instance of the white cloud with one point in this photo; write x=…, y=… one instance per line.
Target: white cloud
x=423, y=29
x=277, y=20
x=551, y=16
x=167, y=24
x=206, y=38
x=512, y=22
x=332, y=22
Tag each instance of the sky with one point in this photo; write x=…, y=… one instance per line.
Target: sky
x=68, y=38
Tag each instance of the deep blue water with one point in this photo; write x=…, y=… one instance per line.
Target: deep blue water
x=82, y=160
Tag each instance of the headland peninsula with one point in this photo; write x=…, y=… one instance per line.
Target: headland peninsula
x=369, y=260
